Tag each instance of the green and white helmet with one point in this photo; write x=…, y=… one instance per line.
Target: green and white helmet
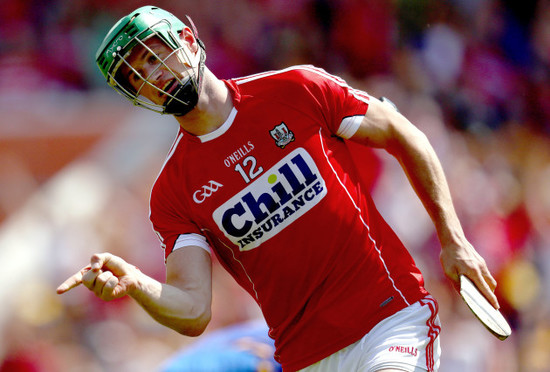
x=134, y=29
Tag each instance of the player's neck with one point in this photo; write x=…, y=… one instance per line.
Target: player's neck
x=212, y=110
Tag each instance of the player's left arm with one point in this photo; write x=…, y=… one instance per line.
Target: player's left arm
x=384, y=127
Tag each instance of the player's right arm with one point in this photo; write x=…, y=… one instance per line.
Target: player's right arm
x=183, y=303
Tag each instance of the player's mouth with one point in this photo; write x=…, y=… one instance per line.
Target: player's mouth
x=168, y=88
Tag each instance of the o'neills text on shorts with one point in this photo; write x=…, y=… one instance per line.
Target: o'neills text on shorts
x=404, y=350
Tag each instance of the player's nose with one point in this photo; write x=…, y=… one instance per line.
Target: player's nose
x=154, y=74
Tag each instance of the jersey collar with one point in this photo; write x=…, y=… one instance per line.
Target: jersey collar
x=221, y=130
x=236, y=97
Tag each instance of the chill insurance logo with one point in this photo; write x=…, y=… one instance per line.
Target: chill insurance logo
x=272, y=202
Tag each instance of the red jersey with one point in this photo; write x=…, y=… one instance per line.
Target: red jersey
x=277, y=195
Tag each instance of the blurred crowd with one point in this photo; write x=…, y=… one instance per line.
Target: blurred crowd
x=474, y=75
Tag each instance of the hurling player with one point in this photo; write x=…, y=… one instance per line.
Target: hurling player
x=261, y=175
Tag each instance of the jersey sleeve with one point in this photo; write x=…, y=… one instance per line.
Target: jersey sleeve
x=343, y=107
x=170, y=223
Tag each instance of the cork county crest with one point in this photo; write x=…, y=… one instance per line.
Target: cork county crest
x=282, y=135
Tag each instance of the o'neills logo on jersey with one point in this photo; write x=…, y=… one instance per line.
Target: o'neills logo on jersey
x=272, y=202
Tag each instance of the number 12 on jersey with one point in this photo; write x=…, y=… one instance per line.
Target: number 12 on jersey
x=249, y=169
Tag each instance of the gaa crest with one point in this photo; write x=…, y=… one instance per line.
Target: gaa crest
x=282, y=135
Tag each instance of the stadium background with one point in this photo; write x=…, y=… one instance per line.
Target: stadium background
x=77, y=161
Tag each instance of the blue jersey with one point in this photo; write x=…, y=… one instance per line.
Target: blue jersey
x=243, y=347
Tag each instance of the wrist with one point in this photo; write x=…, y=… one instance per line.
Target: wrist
x=452, y=239
x=137, y=282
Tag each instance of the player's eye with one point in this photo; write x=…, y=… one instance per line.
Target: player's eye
x=151, y=59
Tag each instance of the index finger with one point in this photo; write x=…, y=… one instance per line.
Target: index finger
x=73, y=281
x=485, y=289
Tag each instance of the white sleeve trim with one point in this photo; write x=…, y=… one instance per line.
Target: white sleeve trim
x=185, y=240
x=349, y=126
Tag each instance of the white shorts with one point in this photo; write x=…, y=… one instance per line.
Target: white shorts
x=407, y=341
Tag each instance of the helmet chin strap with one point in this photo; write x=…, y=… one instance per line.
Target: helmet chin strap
x=187, y=94
x=184, y=99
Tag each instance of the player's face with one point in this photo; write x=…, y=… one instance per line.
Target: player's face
x=155, y=70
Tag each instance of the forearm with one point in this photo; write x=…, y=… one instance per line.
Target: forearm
x=182, y=304
x=426, y=175
x=183, y=310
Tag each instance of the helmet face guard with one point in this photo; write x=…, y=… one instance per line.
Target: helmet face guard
x=134, y=30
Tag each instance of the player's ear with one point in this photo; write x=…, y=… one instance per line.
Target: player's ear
x=187, y=37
